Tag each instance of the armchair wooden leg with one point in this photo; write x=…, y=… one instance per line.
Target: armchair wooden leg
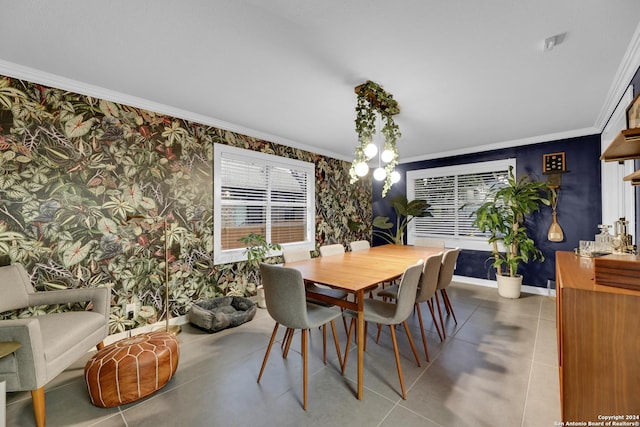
x=266, y=355
x=38, y=407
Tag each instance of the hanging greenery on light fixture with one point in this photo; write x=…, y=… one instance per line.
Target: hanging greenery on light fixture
x=372, y=100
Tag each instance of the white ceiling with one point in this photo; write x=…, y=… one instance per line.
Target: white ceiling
x=466, y=73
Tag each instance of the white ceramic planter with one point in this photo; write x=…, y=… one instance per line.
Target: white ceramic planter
x=509, y=287
x=261, y=301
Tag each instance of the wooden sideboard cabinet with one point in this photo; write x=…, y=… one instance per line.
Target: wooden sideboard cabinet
x=598, y=344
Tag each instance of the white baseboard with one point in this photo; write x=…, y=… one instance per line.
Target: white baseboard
x=181, y=320
x=493, y=284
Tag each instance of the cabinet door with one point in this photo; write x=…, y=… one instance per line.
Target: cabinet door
x=600, y=354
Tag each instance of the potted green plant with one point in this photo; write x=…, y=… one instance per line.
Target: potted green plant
x=502, y=216
x=257, y=251
x=405, y=211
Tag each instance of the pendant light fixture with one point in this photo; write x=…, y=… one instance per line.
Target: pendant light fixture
x=374, y=104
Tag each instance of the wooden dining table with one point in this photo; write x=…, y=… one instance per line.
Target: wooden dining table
x=357, y=273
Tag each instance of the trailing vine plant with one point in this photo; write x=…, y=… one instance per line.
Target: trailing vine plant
x=372, y=100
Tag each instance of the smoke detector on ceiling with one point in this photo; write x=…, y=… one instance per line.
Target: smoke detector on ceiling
x=551, y=42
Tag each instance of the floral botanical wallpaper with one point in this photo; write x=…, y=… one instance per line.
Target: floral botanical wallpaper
x=90, y=188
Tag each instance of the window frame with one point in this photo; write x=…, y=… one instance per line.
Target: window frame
x=270, y=161
x=466, y=242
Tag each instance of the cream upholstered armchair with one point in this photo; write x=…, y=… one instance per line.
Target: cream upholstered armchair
x=49, y=343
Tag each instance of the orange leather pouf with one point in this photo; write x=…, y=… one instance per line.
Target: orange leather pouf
x=131, y=369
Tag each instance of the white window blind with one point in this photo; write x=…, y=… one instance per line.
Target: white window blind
x=453, y=194
x=263, y=194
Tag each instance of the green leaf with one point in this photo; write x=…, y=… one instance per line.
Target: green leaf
x=76, y=127
x=107, y=226
x=109, y=108
x=75, y=253
x=382, y=222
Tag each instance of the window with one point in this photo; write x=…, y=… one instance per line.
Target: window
x=264, y=194
x=454, y=193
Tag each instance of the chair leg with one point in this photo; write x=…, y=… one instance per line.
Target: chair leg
x=324, y=343
x=100, y=345
x=446, y=307
x=287, y=344
x=447, y=302
x=444, y=333
x=38, y=407
x=366, y=327
x=413, y=346
x=378, y=335
x=266, y=355
x=284, y=338
x=433, y=316
x=335, y=340
x=424, y=338
x=344, y=321
x=397, y=354
x=346, y=349
x=304, y=369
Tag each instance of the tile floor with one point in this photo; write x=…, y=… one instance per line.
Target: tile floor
x=497, y=367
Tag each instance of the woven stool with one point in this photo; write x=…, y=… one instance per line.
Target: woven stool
x=131, y=369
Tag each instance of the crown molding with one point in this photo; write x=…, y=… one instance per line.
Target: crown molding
x=22, y=72
x=626, y=70
x=507, y=144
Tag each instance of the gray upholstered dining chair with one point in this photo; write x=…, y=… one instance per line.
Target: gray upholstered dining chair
x=391, y=314
x=445, y=277
x=329, y=250
x=286, y=303
x=359, y=245
x=49, y=343
x=426, y=292
x=293, y=255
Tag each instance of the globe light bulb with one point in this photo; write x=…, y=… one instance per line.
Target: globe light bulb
x=362, y=169
x=386, y=156
x=395, y=177
x=370, y=150
x=379, y=174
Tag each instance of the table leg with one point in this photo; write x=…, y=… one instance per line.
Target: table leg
x=360, y=336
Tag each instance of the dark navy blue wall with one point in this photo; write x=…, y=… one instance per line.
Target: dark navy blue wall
x=636, y=90
x=579, y=206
